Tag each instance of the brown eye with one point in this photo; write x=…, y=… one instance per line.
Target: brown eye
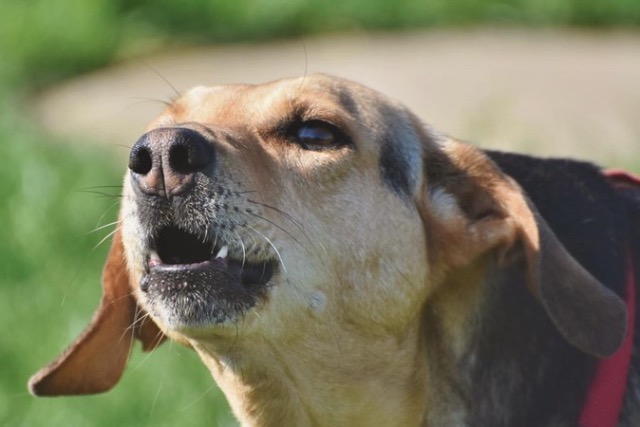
x=317, y=135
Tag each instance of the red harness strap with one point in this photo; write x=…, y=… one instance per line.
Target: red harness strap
x=606, y=394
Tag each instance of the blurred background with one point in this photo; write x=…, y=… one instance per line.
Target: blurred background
x=80, y=79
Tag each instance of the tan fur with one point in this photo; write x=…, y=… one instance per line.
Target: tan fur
x=376, y=292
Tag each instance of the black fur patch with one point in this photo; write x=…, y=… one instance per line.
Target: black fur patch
x=347, y=101
x=520, y=371
x=582, y=209
x=394, y=169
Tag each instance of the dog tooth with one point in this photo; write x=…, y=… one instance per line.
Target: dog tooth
x=223, y=252
x=154, y=259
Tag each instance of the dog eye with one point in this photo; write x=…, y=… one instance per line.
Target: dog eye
x=318, y=135
x=315, y=134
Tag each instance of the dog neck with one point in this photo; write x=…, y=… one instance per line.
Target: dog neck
x=489, y=346
x=469, y=359
x=380, y=382
x=408, y=379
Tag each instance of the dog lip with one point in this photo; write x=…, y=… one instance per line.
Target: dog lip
x=203, y=265
x=155, y=261
x=230, y=272
x=247, y=273
x=189, y=297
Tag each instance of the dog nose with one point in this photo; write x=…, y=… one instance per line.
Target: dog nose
x=165, y=161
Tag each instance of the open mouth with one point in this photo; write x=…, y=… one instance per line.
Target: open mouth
x=197, y=279
x=175, y=249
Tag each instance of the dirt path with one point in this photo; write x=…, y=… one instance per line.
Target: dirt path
x=550, y=93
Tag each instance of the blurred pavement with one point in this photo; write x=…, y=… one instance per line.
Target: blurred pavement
x=552, y=93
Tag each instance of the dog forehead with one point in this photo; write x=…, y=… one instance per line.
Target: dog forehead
x=235, y=102
x=206, y=104
x=382, y=126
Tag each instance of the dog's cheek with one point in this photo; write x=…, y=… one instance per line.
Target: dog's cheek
x=381, y=275
x=306, y=287
x=385, y=297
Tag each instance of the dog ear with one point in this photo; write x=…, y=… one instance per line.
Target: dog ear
x=96, y=360
x=472, y=208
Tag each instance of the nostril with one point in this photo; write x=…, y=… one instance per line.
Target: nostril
x=179, y=159
x=189, y=152
x=140, y=159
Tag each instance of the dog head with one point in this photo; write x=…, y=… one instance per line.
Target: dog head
x=315, y=216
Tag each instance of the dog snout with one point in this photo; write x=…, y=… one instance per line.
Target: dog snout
x=164, y=162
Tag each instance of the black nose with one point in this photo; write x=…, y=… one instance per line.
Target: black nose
x=164, y=161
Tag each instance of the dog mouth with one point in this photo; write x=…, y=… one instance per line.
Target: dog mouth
x=193, y=280
x=175, y=249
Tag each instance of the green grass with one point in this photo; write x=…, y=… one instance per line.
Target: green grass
x=45, y=40
x=49, y=264
x=50, y=284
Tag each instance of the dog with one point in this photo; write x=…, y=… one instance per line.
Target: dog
x=336, y=262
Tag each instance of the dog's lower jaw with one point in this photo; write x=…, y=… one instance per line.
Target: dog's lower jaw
x=267, y=390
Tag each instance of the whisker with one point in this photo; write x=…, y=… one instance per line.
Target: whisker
x=272, y=245
x=113, y=205
x=138, y=320
x=101, y=186
x=314, y=243
x=158, y=336
x=143, y=361
x=157, y=73
x=101, y=193
x=129, y=295
x=157, y=396
x=306, y=60
x=106, y=237
x=128, y=147
x=131, y=327
x=199, y=398
x=277, y=226
x=293, y=220
x=236, y=335
x=143, y=100
x=404, y=276
x=101, y=227
x=244, y=250
x=280, y=211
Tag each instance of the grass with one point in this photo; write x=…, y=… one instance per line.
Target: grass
x=50, y=283
x=44, y=40
x=54, y=194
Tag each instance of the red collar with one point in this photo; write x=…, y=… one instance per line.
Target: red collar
x=606, y=394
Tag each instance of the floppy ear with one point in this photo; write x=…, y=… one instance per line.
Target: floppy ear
x=474, y=209
x=95, y=361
